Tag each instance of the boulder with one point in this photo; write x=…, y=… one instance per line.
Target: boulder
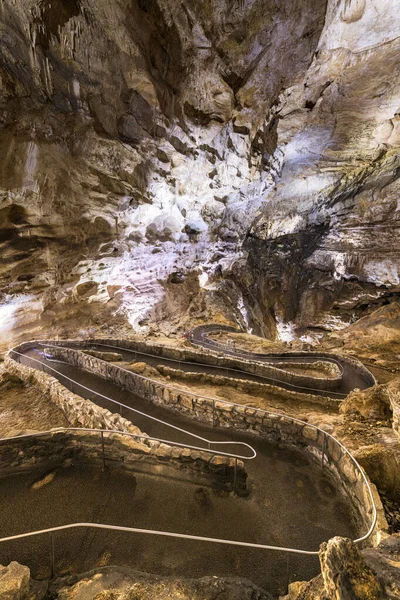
x=108, y=356
x=138, y=367
x=373, y=403
x=345, y=575
x=14, y=582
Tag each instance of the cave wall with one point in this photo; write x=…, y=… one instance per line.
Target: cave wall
x=144, y=141
x=326, y=242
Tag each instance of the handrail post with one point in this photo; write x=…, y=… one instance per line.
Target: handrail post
x=213, y=413
x=52, y=561
x=102, y=451
x=235, y=475
x=287, y=571
x=323, y=451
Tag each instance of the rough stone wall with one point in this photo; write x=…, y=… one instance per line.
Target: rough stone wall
x=252, y=387
x=324, y=248
x=79, y=412
x=55, y=447
x=134, y=124
x=394, y=398
x=216, y=358
x=213, y=359
x=84, y=413
x=144, y=125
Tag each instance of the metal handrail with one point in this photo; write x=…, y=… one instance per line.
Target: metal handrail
x=189, y=433
x=206, y=329
x=187, y=362
x=271, y=379
x=267, y=357
x=199, y=364
x=184, y=536
x=268, y=413
x=173, y=534
x=140, y=436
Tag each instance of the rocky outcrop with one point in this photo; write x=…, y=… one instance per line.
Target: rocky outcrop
x=324, y=246
x=345, y=575
x=139, y=139
x=14, y=582
x=374, y=404
x=144, y=142
x=119, y=584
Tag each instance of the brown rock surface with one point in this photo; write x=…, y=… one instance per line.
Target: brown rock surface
x=141, y=140
x=119, y=584
x=23, y=409
x=345, y=575
x=14, y=582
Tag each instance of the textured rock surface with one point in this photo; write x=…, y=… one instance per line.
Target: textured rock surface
x=345, y=575
x=14, y=582
x=23, y=409
x=139, y=140
x=328, y=233
x=119, y=584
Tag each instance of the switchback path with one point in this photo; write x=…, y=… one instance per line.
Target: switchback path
x=352, y=377
x=292, y=502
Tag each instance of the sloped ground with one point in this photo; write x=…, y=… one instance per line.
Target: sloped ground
x=23, y=409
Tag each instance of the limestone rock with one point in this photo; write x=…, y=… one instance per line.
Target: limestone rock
x=382, y=464
x=253, y=145
x=138, y=367
x=107, y=356
x=374, y=403
x=118, y=584
x=345, y=573
x=14, y=582
x=86, y=288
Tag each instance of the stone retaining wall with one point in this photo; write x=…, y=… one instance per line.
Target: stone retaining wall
x=250, y=365
x=344, y=358
x=249, y=387
x=180, y=355
x=216, y=358
x=322, y=369
x=84, y=413
x=347, y=360
x=273, y=427
x=52, y=449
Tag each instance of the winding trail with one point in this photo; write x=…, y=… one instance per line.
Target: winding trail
x=292, y=501
x=351, y=377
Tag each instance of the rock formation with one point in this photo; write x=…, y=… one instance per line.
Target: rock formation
x=345, y=575
x=144, y=142
x=14, y=582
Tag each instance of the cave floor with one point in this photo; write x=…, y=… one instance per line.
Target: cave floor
x=292, y=502
x=296, y=505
